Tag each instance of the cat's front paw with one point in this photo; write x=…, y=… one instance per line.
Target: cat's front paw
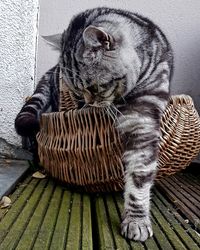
x=26, y=124
x=134, y=228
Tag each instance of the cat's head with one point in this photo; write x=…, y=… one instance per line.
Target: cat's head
x=96, y=63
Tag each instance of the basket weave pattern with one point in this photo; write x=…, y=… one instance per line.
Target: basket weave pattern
x=81, y=147
x=77, y=150
x=180, y=141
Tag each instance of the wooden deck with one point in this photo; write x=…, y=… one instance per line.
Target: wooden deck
x=184, y=192
x=47, y=215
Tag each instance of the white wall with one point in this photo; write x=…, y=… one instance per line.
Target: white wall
x=180, y=20
x=18, y=29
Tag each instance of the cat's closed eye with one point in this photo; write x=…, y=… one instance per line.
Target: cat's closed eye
x=107, y=45
x=81, y=62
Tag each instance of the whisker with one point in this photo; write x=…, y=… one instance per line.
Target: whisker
x=117, y=110
x=112, y=114
x=109, y=114
x=124, y=99
x=112, y=57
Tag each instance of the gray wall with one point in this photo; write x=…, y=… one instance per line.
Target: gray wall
x=180, y=20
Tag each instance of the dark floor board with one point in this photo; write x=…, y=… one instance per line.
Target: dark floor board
x=185, y=196
x=177, y=227
x=182, y=200
x=193, y=179
x=190, y=180
x=187, y=187
x=178, y=203
x=192, y=233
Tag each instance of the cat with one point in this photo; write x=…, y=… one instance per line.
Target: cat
x=120, y=60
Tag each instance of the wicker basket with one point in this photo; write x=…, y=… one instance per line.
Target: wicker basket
x=180, y=141
x=82, y=148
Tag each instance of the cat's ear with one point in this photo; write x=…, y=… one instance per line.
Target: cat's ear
x=94, y=36
x=54, y=40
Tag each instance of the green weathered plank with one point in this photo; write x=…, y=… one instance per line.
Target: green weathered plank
x=104, y=233
x=28, y=238
x=151, y=244
x=43, y=239
x=16, y=209
x=17, y=229
x=15, y=195
x=87, y=242
x=160, y=237
x=185, y=238
x=60, y=231
x=74, y=231
x=166, y=227
x=120, y=242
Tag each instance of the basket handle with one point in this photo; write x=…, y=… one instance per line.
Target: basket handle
x=67, y=101
x=183, y=100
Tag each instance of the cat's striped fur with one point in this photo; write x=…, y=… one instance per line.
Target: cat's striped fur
x=122, y=62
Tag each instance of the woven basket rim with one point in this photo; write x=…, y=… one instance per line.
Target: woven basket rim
x=91, y=109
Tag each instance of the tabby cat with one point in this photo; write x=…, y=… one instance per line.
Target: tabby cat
x=122, y=62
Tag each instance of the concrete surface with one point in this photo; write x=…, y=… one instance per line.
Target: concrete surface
x=10, y=173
